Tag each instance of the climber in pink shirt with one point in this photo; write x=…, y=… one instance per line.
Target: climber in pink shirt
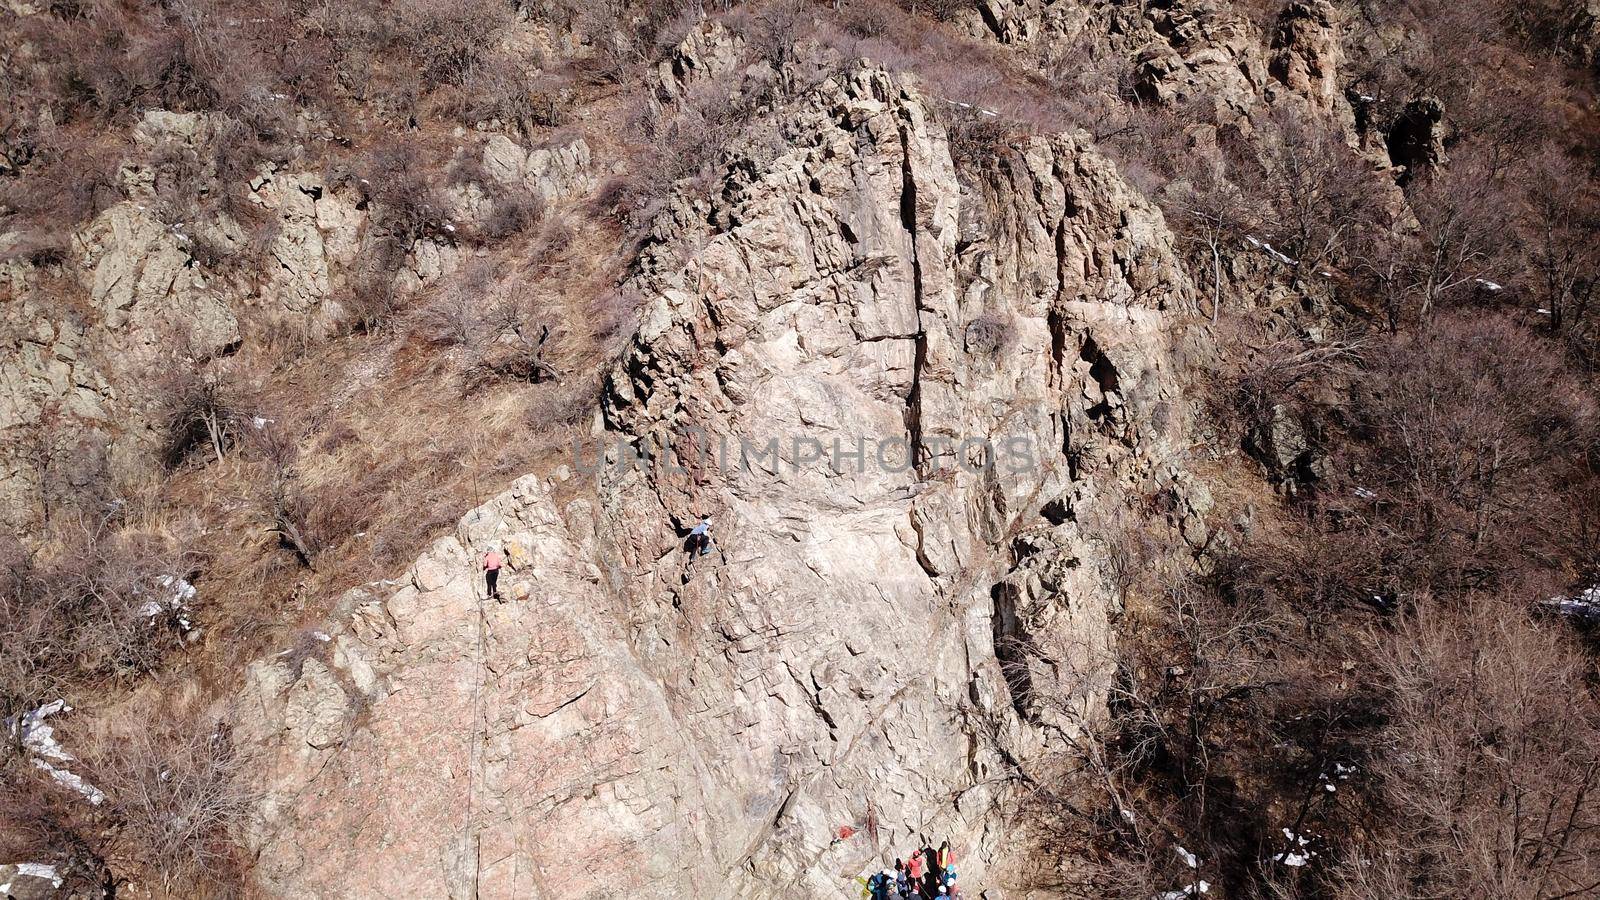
x=914, y=868
x=491, y=572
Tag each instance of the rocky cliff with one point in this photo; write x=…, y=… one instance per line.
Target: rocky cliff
x=139, y=292
x=877, y=637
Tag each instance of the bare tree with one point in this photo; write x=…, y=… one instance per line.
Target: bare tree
x=1320, y=193
x=1489, y=765
x=1562, y=224
x=1213, y=214
x=1461, y=220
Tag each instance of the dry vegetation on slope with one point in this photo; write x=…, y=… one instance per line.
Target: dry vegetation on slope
x=1416, y=387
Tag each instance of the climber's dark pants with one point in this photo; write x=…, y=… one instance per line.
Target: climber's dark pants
x=490, y=577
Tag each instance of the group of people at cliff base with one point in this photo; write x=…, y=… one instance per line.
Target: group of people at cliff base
x=927, y=875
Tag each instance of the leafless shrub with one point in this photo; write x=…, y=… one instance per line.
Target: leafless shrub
x=41, y=824
x=1473, y=440
x=110, y=604
x=501, y=92
x=1319, y=192
x=1276, y=371
x=977, y=136
x=279, y=494
x=686, y=145
x=777, y=25
x=1562, y=231
x=627, y=34
x=1491, y=736
x=176, y=784
x=1213, y=216
x=990, y=334
x=866, y=18
x=464, y=312
x=1461, y=225
x=200, y=412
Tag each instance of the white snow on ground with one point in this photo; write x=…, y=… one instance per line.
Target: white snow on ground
x=1297, y=855
x=1341, y=772
x=1188, y=858
x=1270, y=250
x=987, y=112
x=33, y=870
x=1584, y=604
x=1488, y=285
x=1193, y=890
x=73, y=782
x=1542, y=311
x=39, y=739
x=173, y=595
x=1365, y=493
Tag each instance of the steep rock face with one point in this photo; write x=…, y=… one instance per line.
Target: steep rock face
x=873, y=637
x=1306, y=53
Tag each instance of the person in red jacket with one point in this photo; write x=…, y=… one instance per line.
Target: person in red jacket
x=914, y=869
x=492, y=561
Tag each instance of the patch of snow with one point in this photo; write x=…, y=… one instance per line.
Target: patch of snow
x=1270, y=250
x=259, y=423
x=450, y=228
x=1188, y=858
x=39, y=740
x=1583, y=605
x=73, y=782
x=174, y=595
x=1297, y=855
x=1193, y=890
x=32, y=870
x=1294, y=859
x=1364, y=98
x=321, y=636
x=1488, y=285
x=1365, y=493
x=1542, y=311
x=1341, y=772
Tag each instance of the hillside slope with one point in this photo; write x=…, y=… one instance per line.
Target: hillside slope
x=1141, y=442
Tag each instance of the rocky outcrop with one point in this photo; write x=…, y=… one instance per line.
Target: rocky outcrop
x=142, y=281
x=549, y=173
x=85, y=332
x=908, y=593
x=1306, y=54
x=1416, y=139
x=707, y=53
x=318, y=240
